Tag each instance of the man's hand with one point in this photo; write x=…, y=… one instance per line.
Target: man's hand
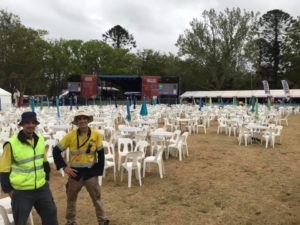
x=71, y=172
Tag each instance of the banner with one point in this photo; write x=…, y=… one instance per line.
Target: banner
x=89, y=86
x=74, y=86
x=286, y=88
x=266, y=87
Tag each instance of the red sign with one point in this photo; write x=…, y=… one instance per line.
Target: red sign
x=89, y=86
x=150, y=86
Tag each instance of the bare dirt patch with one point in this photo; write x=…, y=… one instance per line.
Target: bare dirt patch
x=219, y=183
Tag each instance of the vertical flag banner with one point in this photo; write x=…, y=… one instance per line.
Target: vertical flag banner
x=115, y=99
x=48, y=102
x=144, y=111
x=256, y=109
x=42, y=103
x=221, y=104
x=266, y=87
x=76, y=101
x=286, y=88
x=134, y=102
x=32, y=103
x=57, y=106
x=70, y=102
x=128, y=116
x=253, y=105
x=269, y=103
x=200, y=104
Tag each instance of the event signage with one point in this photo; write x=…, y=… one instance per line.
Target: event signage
x=74, y=86
x=89, y=86
x=286, y=88
x=168, y=89
x=266, y=87
x=150, y=86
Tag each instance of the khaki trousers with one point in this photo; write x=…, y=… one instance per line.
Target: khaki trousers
x=73, y=188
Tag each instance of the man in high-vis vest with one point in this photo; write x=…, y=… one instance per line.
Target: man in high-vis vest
x=86, y=163
x=24, y=174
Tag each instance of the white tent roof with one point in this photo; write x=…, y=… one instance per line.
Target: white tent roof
x=5, y=98
x=4, y=93
x=294, y=93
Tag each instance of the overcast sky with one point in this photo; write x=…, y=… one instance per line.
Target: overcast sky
x=155, y=24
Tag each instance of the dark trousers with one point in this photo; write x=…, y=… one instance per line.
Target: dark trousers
x=41, y=199
x=73, y=188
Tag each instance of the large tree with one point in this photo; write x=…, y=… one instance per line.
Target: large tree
x=272, y=31
x=216, y=45
x=22, y=54
x=118, y=37
x=293, y=73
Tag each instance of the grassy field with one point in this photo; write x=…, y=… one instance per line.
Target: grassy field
x=220, y=183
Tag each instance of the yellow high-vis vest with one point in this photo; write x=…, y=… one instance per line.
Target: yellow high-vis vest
x=27, y=172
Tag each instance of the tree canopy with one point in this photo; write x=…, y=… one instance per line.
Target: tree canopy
x=217, y=45
x=232, y=49
x=118, y=37
x=272, y=31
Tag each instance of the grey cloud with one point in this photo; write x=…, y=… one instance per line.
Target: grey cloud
x=155, y=24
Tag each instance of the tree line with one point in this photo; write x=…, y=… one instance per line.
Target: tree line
x=232, y=49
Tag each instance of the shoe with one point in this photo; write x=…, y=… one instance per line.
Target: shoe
x=105, y=222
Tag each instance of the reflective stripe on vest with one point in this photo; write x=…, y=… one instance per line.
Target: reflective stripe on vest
x=27, y=171
x=18, y=170
x=81, y=165
x=82, y=152
x=41, y=156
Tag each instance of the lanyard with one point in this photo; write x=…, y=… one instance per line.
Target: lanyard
x=88, y=137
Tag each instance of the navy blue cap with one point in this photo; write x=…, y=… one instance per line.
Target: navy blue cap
x=28, y=116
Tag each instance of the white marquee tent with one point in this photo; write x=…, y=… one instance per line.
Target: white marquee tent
x=294, y=93
x=5, y=97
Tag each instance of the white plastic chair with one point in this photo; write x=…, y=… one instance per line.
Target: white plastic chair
x=51, y=143
x=244, y=134
x=59, y=135
x=200, y=124
x=156, y=142
x=177, y=147
x=222, y=126
x=157, y=158
x=285, y=119
x=167, y=125
x=175, y=137
x=132, y=163
x=142, y=147
x=109, y=161
x=5, y=217
x=6, y=212
x=276, y=134
x=125, y=145
x=185, y=149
